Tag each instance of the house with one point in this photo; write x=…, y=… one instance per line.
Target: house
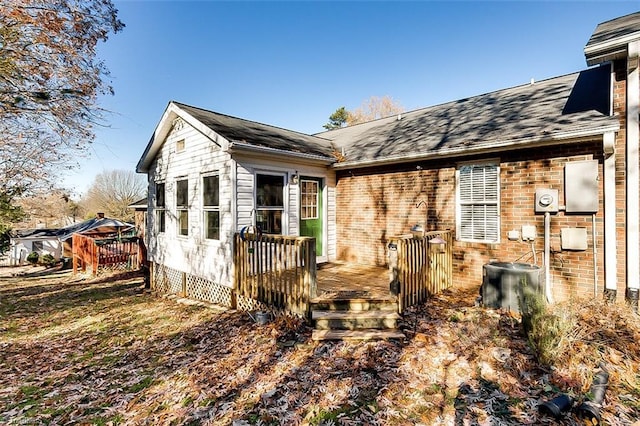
x=544, y=173
x=57, y=242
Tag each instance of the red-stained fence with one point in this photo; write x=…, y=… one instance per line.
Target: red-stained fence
x=99, y=254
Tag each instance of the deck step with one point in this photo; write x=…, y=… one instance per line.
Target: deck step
x=355, y=320
x=369, y=334
x=355, y=304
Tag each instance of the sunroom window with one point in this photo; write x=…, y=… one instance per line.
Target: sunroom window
x=182, y=206
x=160, y=208
x=211, y=206
x=269, y=202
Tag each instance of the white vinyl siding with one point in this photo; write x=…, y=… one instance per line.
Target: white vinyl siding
x=478, y=199
x=247, y=167
x=201, y=156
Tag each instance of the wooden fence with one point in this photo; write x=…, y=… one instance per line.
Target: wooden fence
x=106, y=253
x=420, y=267
x=275, y=271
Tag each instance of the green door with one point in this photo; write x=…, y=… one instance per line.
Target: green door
x=311, y=210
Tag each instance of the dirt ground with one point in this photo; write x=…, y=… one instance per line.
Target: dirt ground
x=83, y=350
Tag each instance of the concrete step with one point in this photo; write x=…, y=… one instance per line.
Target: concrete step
x=355, y=304
x=357, y=335
x=354, y=320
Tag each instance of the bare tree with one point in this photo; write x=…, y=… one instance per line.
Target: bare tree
x=50, y=209
x=112, y=192
x=50, y=80
x=373, y=109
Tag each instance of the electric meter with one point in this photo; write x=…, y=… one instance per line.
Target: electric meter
x=546, y=200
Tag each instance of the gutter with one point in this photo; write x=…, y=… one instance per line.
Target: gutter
x=534, y=142
x=238, y=146
x=609, y=49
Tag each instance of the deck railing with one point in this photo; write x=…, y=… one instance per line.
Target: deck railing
x=420, y=267
x=105, y=253
x=275, y=271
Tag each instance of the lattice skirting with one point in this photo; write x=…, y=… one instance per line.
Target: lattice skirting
x=171, y=281
x=166, y=280
x=123, y=266
x=202, y=289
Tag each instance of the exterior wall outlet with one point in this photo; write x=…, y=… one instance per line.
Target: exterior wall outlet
x=528, y=232
x=513, y=235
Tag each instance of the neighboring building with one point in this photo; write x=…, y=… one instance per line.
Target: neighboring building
x=140, y=216
x=479, y=166
x=57, y=242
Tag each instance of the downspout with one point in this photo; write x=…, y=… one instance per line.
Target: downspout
x=610, y=238
x=633, y=179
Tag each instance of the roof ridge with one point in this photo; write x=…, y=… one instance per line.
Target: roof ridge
x=617, y=18
x=423, y=109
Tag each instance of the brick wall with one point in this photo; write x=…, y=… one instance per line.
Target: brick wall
x=376, y=203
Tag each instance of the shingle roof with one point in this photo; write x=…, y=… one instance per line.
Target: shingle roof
x=541, y=111
x=609, y=40
x=257, y=134
x=615, y=28
x=95, y=225
x=139, y=204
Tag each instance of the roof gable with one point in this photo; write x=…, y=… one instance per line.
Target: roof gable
x=228, y=131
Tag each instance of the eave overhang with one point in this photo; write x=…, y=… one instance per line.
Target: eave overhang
x=563, y=138
x=609, y=50
x=235, y=147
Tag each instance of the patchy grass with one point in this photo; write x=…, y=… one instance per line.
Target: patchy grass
x=75, y=350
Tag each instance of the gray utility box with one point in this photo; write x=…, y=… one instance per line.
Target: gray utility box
x=502, y=283
x=581, y=187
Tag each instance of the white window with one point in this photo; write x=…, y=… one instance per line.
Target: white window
x=269, y=202
x=211, y=206
x=478, y=199
x=182, y=206
x=160, y=207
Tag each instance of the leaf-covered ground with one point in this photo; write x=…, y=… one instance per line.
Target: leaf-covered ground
x=76, y=350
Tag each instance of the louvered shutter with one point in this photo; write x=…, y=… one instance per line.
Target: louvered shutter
x=478, y=196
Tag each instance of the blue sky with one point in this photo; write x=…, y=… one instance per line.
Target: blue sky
x=291, y=64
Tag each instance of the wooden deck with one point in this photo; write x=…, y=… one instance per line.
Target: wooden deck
x=352, y=280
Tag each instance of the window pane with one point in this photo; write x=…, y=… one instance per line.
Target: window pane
x=182, y=193
x=212, y=220
x=309, y=200
x=183, y=222
x=159, y=194
x=211, y=188
x=270, y=221
x=160, y=218
x=269, y=190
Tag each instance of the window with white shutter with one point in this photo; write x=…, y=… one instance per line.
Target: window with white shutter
x=478, y=202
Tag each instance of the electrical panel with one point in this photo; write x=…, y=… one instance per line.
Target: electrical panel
x=546, y=200
x=581, y=186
